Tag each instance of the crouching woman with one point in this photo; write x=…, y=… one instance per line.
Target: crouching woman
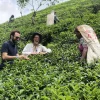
x=89, y=45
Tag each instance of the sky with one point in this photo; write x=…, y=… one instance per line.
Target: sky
x=10, y=7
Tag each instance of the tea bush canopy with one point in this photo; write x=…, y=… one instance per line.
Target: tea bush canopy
x=58, y=75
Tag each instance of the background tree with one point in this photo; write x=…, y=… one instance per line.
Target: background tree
x=36, y=4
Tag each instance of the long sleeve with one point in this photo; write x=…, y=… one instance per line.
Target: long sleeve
x=28, y=49
x=44, y=49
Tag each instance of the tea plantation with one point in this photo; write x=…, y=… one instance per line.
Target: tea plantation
x=59, y=75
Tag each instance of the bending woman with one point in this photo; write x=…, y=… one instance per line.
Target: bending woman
x=89, y=45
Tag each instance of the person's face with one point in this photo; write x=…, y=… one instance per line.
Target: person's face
x=16, y=37
x=36, y=39
x=78, y=34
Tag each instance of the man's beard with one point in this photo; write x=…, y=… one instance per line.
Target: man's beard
x=15, y=41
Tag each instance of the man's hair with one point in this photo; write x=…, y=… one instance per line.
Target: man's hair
x=13, y=33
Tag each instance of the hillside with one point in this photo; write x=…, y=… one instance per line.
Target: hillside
x=59, y=75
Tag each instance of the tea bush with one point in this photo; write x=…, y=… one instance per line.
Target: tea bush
x=59, y=75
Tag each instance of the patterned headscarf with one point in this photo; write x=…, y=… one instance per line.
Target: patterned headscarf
x=88, y=33
x=90, y=37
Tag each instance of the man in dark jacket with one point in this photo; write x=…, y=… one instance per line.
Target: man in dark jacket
x=9, y=49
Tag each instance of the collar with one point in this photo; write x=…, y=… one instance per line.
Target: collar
x=13, y=44
x=37, y=45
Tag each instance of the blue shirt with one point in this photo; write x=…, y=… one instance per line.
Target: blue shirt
x=10, y=48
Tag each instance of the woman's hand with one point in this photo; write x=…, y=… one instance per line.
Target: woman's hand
x=42, y=52
x=35, y=53
x=23, y=57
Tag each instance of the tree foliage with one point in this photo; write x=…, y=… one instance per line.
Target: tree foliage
x=36, y=4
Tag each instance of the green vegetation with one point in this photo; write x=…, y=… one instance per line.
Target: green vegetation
x=59, y=75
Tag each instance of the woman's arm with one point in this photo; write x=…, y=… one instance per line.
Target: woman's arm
x=84, y=53
x=46, y=50
x=26, y=51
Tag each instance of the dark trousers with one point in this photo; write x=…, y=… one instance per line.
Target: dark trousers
x=54, y=22
x=2, y=66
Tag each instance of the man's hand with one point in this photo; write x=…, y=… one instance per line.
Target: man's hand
x=34, y=53
x=23, y=57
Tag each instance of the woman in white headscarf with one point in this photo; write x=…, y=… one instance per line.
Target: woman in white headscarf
x=89, y=44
